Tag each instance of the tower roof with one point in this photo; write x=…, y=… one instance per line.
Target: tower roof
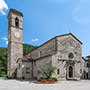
x=15, y=11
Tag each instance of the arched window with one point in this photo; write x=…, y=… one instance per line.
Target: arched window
x=16, y=22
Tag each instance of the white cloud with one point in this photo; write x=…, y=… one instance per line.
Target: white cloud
x=6, y=42
x=4, y=38
x=81, y=12
x=35, y=40
x=3, y=7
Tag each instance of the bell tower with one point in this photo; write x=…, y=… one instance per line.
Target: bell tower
x=15, y=46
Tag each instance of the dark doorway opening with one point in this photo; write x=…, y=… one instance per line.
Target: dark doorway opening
x=87, y=75
x=70, y=72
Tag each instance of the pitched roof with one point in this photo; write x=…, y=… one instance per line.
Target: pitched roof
x=14, y=11
x=71, y=35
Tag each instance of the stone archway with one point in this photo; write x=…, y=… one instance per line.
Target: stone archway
x=70, y=72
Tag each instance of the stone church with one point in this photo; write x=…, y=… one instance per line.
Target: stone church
x=63, y=52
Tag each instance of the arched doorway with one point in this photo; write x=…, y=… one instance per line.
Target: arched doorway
x=70, y=72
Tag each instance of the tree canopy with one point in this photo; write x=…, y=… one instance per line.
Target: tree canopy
x=27, y=48
x=46, y=71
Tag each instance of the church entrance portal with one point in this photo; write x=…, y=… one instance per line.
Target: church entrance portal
x=70, y=72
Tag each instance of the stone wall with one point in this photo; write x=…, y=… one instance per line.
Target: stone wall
x=66, y=45
x=82, y=68
x=59, y=65
x=15, y=54
x=26, y=74
x=12, y=36
x=13, y=16
x=46, y=49
x=46, y=61
x=19, y=69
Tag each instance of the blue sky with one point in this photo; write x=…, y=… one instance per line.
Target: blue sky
x=44, y=19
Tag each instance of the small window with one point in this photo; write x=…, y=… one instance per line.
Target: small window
x=40, y=53
x=88, y=65
x=58, y=71
x=16, y=22
x=27, y=70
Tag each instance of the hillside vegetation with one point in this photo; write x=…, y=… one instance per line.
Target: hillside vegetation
x=3, y=57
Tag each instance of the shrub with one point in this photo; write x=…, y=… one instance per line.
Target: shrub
x=46, y=71
x=8, y=76
x=53, y=78
x=3, y=74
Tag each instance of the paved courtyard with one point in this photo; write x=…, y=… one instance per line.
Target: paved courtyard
x=6, y=84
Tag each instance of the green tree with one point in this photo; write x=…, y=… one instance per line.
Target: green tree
x=27, y=48
x=47, y=71
x=3, y=61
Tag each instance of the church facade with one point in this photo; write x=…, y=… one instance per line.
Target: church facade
x=63, y=52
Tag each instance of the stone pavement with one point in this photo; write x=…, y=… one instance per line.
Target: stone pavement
x=12, y=84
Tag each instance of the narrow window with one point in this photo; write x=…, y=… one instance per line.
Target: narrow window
x=58, y=71
x=16, y=22
x=40, y=53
